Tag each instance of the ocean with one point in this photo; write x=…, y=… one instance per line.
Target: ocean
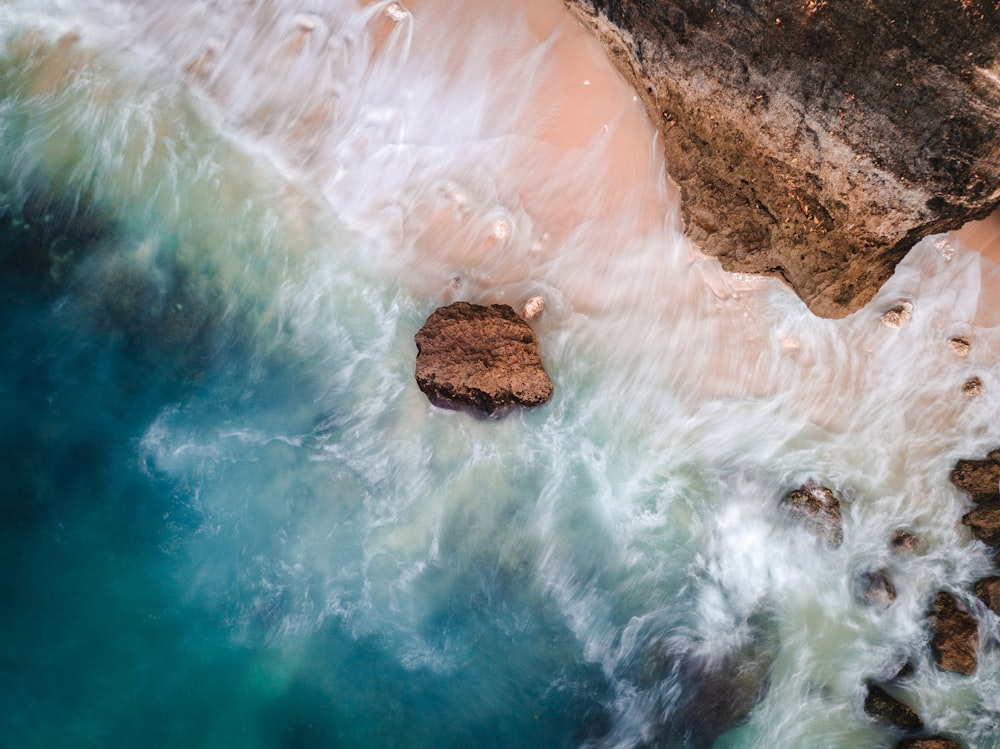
x=231, y=519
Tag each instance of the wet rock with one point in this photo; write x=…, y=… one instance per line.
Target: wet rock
x=906, y=671
x=980, y=478
x=984, y=522
x=817, y=141
x=988, y=591
x=888, y=710
x=934, y=742
x=720, y=693
x=533, y=307
x=485, y=358
x=954, y=635
x=905, y=541
x=960, y=346
x=875, y=588
x=710, y=693
x=972, y=387
x=898, y=316
x=817, y=509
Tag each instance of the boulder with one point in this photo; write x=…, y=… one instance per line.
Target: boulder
x=988, y=591
x=887, y=709
x=979, y=478
x=954, y=635
x=816, y=141
x=484, y=358
x=817, y=509
x=875, y=588
x=934, y=742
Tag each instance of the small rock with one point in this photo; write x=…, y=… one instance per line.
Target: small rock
x=818, y=510
x=396, y=12
x=887, y=709
x=954, y=635
x=988, y=591
x=984, y=522
x=980, y=478
x=875, y=588
x=533, y=307
x=482, y=357
x=934, y=742
x=972, y=387
x=898, y=316
x=960, y=346
x=905, y=541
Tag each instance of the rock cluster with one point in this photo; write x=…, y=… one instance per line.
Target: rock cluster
x=981, y=480
x=816, y=141
x=480, y=357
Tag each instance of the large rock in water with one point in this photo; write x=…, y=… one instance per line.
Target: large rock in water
x=954, y=635
x=817, y=140
x=485, y=358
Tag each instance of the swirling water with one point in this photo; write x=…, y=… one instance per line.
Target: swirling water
x=231, y=519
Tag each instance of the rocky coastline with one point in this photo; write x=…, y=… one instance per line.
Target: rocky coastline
x=816, y=141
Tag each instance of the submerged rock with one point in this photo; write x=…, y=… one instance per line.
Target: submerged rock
x=817, y=509
x=988, y=591
x=954, y=635
x=887, y=709
x=875, y=588
x=905, y=541
x=481, y=357
x=817, y=141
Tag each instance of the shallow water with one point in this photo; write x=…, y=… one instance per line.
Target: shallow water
x=233, y=520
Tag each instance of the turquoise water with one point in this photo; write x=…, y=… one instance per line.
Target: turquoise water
x=231, y=519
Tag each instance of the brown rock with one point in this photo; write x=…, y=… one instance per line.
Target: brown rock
x=934, y=742
x=973, y=387
x=960, y=346
x=988, y=591
x=980, y=478
x=984, y=522
x=887, y=709
x=485, y=358
x=954, y=635
x=816, y=141
x=818, y=510
x=875, y=588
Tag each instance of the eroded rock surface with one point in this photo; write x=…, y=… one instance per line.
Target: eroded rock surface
x=954, y=635
x=485, y=358
x=817, y=509
x=817, y=141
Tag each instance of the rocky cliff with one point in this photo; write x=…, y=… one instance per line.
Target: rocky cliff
x=817, y=140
